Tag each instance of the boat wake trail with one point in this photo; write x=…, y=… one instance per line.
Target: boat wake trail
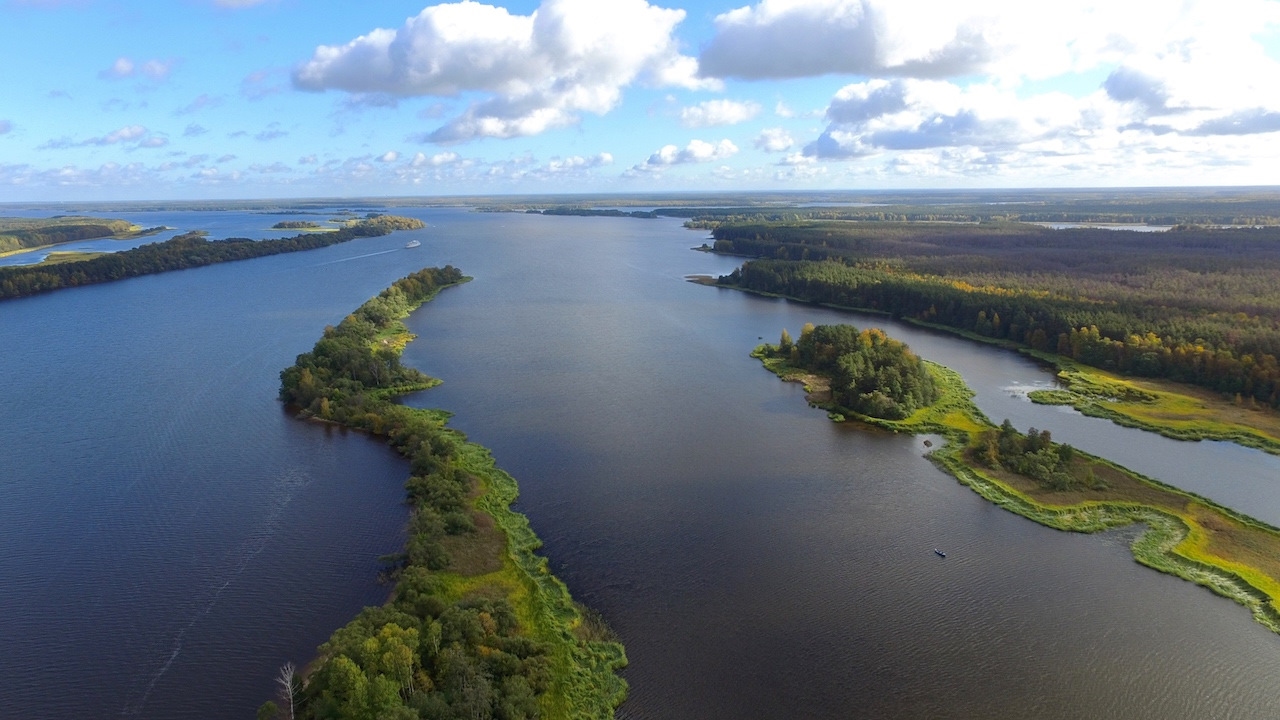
x=286, y=487
x=356, y=257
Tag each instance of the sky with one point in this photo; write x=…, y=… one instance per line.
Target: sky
x=223, y=99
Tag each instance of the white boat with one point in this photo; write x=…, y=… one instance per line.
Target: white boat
x=412, y=244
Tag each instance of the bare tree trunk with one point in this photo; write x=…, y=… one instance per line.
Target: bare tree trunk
x=287, y=680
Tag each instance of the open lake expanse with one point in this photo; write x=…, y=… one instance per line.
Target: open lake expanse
x=172, y=535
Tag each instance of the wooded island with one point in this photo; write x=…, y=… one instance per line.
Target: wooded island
x=1051, y=483
x=1147, y=317
x=188, y=250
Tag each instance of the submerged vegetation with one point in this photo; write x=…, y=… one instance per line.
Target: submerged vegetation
x=1066, y=489
x=183, y=251
x=477, y=627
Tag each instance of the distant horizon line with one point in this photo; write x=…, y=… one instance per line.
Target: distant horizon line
x=671, y=195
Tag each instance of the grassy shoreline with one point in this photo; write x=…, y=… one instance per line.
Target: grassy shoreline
x=1174, y=410
x=1187, y=536
x=1155, y=406
x=492, y=561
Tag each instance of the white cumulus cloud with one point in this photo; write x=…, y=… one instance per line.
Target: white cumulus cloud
x=878, y=115
x=797, y=38
x=436, y=160
x=538, y=71
x=697, y=151
x=125, y=67
x=577, y=162
x=1009, y=39
x=718, y=112
x=774, y=140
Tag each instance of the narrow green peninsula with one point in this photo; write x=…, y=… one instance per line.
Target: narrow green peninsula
x=188, y=250
x=1029, y=474
x=476, y=626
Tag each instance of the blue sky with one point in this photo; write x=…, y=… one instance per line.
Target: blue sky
x=191, y=99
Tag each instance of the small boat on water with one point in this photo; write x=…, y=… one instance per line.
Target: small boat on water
x=939, y=552
x=412, y=244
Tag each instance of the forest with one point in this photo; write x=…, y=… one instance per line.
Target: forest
x=1157, y=206
x=1036, y=456
x=447, y=660
x=1195, y=305
x=183, y=251
x=596, y=212
x=870, y=373
x=23, y=233
x=465, y=633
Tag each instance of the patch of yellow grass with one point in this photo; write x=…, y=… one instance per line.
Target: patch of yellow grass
x=1172, y=409
x=1222, y=550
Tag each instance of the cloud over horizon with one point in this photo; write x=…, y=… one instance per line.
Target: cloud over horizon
x=697, y=151
x=572, y=95
x=534, y=72
x=718, y=112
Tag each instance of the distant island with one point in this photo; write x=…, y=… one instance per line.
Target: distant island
x=188, y=250
x=1029, y=474
x=18, y=235
x=303, y=225
x=597, y=212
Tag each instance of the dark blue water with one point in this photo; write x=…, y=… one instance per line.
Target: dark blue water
x=171, y=536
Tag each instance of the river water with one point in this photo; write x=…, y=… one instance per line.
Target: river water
x=171, y=536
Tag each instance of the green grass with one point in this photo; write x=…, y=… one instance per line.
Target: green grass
x=586, y=680
x=65, y=256
x=1176, y=411
x=584, y=683
x=15, y=233
x=1188, y=536
x=321, y=229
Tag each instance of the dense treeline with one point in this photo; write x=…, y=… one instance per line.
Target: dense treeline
x=595, y=212
x=1197, y=306
x=1036, y=456
x=296, y=225
x=183, y=251
x=335, y=378
x=871, y=373
x=21, y=233
x=418, y=656
x=427, y=653
x=970, y=215
x=1203, y=206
